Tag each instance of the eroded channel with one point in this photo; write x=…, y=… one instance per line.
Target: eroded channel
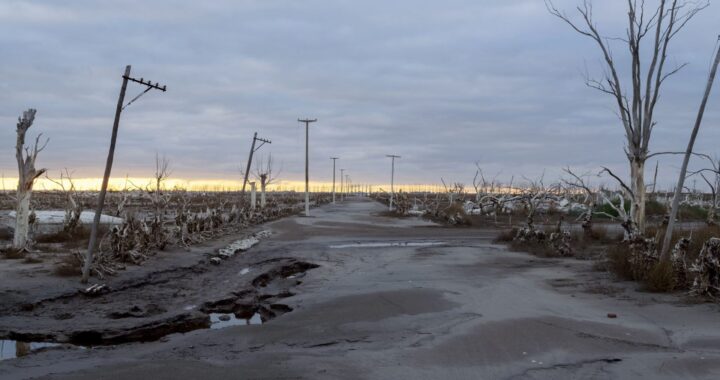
x=256, y=302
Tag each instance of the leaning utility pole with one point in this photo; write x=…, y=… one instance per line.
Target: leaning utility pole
x=392, y=179
x=333, y=187
x=307, y=163
x=108, y=165
x=667, y=241
x=252, y=151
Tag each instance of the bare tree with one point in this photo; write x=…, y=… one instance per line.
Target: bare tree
x=580, y=183
x=73, y=208
x=711, y=176
x=27, y=173
x=264, y=174
x=636, y=106
x=160, y=200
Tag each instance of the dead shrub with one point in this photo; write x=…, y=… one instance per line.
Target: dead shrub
x=535, y=242
x=506, y=236
x=5, y=233
x=707, y=270
x=455, y=215
x=32, y=259
x=661, y=278
x=72, y=240
x=618, y=261
x=69, y=266
x=13, y=254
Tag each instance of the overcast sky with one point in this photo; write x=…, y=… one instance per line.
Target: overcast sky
x=441, y=83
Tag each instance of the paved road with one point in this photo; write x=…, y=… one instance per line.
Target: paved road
x=448, y=305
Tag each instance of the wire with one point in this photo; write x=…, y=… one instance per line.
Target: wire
x=137, y=97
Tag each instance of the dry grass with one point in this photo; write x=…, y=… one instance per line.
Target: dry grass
x=506, y=236
x=698, y=236
x=661, y=278
x=13, y=254
x=69, y=266
x=5, y=233
x=618, y=261
x=581, y=241
x=539, y=249
x=77, y=240
x=394, y=214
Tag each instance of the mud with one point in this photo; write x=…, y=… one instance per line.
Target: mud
x=151, y=309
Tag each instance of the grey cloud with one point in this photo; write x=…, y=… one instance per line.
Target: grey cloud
x=444, y=84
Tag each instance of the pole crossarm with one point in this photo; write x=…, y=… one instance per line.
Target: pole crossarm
x=146, y=83
x=149, y=84
x=263, y=141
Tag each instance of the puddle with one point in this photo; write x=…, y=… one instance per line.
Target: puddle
x=245, y=271
x=389, y=244
x=217, y=323
x=10, y=349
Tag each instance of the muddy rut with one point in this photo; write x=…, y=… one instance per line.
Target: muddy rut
x=162, y=303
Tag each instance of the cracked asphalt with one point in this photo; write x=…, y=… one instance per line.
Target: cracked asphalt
x=462, y=309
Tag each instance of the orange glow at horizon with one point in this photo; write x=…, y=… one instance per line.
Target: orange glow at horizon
x=118, y=184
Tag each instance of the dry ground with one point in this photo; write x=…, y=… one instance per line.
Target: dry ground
x=448, y=305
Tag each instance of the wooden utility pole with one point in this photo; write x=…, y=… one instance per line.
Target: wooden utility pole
x=108, y=165
x=392, y=179
x=667, y=241
x=333, y=186
x=252, y=151
x=342, y=184
x=307, y=163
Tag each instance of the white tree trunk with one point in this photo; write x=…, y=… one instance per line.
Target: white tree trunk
x=27, y=174
x=253, y=196
x=22, y=219
x=263, y=186
x=637, y=175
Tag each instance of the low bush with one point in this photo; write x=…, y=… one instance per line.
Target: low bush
x=688, y=212
x=69, y=266
x=618, y=261
x=12, y=253
x=535, y=248
x=506, y=236
x=655, y=208
x=661, y=278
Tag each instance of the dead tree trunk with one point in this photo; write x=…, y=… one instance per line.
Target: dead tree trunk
x=263, y=187
x=665, y=253
x=636, y=104
x=27, y=174
x=264, y=173
x=73, y=208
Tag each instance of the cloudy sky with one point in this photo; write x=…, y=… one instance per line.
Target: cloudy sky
x=442, y=83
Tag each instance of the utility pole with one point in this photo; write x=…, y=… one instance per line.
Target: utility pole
x=333, y=187
x=392, y=178
x=307, y=163
x=347, y=184
x=342, y=183
x=667, y=241
x=252, y=151
x=108, y=164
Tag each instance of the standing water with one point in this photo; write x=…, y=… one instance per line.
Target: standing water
x=10, y=349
